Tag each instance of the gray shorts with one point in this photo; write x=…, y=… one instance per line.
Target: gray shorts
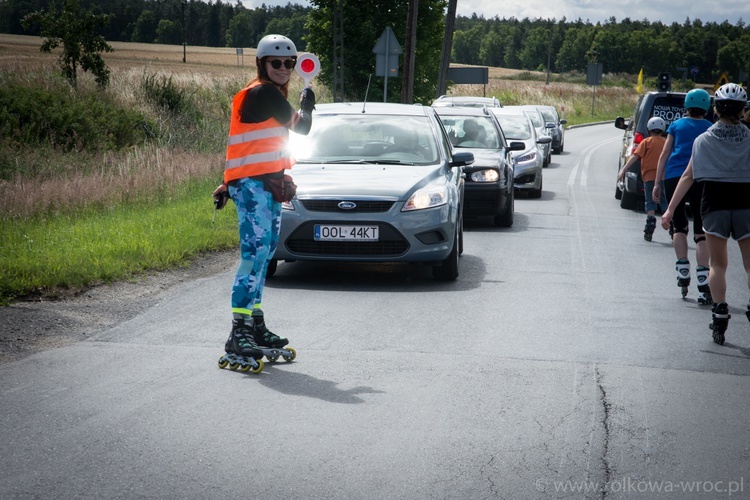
x=726, y=223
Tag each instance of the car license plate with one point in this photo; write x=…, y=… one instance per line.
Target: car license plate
x=346, y=233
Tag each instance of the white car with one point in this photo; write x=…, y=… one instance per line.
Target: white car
x=529, y=162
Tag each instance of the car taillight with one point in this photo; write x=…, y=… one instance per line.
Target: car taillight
x=637, y=138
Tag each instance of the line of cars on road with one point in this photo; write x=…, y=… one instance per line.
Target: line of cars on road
x=380, y=182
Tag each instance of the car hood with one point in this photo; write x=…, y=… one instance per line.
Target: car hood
x=395, y=182
x=484, y=158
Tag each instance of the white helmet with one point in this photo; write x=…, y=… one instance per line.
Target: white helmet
x=276, y=45
x=656, y=123
x=730, y=92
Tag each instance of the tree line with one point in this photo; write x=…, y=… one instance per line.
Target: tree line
x=195, y=22
x=699, y=51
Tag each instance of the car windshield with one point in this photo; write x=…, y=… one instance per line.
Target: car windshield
x=476, y=132
x=366, y=138
x=536, y=119
x=549, y=115
x=515, y=127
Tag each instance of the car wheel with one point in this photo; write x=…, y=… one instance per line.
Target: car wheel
x=628, y=201
x=448, y=269
x=537, y=193
x=272, y=268
x=506, y=220
x=461, y=238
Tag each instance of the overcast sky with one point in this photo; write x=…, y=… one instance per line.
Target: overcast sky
x=592, y=10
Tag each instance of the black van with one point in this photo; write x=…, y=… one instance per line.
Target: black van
x=669, y=106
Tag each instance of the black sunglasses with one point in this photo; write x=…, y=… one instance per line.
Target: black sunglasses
x=288, y=63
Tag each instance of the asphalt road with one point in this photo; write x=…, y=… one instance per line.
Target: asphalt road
x=563, y=363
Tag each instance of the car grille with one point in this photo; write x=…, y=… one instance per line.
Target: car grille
x=332, y=206
x=391, y=244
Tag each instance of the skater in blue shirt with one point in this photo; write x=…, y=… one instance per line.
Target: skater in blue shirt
x=672, y=164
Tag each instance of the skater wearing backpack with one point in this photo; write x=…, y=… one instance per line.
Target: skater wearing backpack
x=721, y=163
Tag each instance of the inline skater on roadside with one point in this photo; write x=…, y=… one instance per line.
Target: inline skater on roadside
x=648, y=152
x=257, y=158
x=672, y=164
x=721, y=162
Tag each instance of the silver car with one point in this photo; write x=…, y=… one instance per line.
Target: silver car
x=542, y=128
x=529, y=163
x=376, y=182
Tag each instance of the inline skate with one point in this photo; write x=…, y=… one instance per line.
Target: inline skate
x=648, y=231
x=682, y=267
x=720, y=321
x=268, y=342
x=704, y=295
x=241, y=350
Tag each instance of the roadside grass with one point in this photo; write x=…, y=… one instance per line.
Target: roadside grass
x=45, y=254
x=70, y=219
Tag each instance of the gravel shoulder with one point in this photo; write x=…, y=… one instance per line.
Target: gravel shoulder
x=27, y=327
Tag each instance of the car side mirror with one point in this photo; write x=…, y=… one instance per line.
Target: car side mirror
x=563, y=121
x=550, y=125
x=620, y=123
x=545, y=139
x=518, y=146
x=462, y=159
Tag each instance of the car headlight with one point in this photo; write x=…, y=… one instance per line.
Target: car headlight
x=489, y=175
x=530, y=156
x=429, y=197
x=287, y=205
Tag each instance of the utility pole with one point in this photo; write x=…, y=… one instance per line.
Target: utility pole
x=407, y=85
x=445, y=57
x=184, y=42
x=338, y=51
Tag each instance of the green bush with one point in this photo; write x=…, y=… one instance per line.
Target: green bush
x=68, y=120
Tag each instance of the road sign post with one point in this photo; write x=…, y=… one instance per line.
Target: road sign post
x=386, y=53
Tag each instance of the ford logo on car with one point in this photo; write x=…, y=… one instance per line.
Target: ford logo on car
x=347, y=205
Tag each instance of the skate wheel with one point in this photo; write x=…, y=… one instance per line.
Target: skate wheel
x=256, y=370
x=291, y=356
x=223, y=362
x=234, y=366
x=684, y=291
x=245, y=368
x=272, y=357
x=719, y=338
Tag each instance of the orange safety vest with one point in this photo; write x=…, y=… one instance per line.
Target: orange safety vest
x=255, y=148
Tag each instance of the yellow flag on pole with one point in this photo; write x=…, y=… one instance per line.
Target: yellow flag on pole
x=639, y=88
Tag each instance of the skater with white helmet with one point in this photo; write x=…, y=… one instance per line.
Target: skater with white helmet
x=721, y=162
x=256, y=160
x=648, y=152
x=672, y=164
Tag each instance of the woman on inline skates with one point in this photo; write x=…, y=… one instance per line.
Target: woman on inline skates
x=721, y=162
x=256, y=159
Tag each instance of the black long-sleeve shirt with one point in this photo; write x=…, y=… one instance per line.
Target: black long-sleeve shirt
x=266, y=101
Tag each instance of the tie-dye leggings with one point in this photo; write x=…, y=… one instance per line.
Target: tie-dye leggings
x=259, y=223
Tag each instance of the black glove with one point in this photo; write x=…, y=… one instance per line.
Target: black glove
x=307, y=99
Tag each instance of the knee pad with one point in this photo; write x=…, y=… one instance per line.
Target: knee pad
x=682, y=230
x=699, y=237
